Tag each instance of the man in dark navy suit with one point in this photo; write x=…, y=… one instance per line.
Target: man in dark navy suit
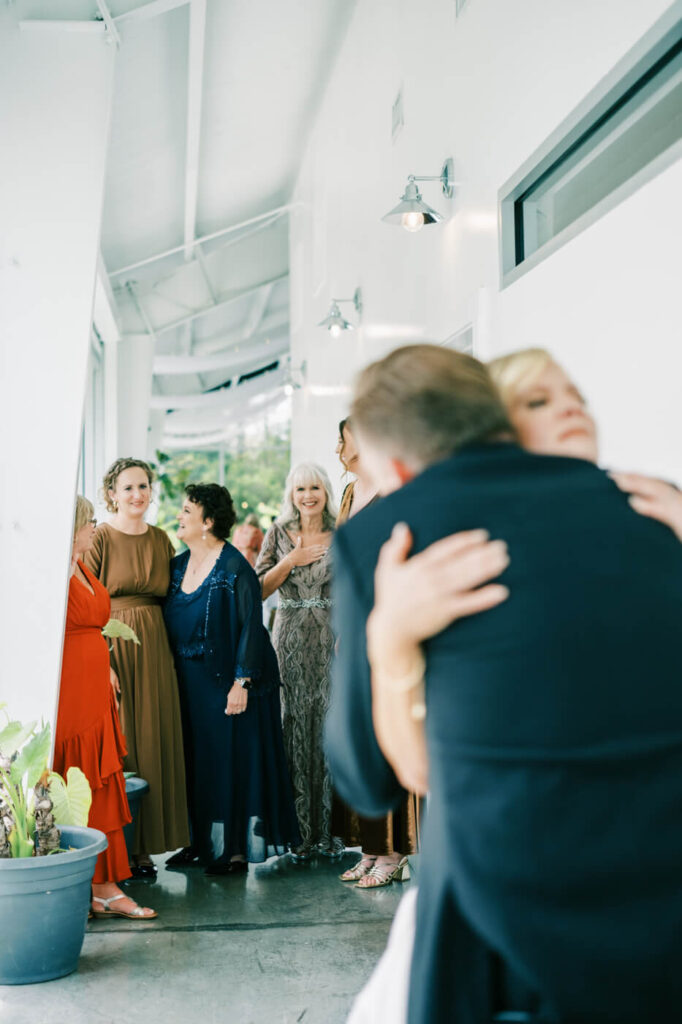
x=552, y=851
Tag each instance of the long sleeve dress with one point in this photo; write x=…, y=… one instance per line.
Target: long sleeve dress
x=395, y=832
x=239, y=791
x=88, y=734
x=304, y=643
x=135, y=569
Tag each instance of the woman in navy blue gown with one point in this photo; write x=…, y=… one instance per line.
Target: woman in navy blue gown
x=239, y=793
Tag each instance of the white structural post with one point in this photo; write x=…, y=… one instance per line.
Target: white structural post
x=55, y=98
x=135, y=372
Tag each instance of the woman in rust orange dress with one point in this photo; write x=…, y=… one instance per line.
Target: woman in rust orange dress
x=88, y=731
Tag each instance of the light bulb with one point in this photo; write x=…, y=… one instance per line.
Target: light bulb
x=335, y=330
x=413, y=221
x=288, y=390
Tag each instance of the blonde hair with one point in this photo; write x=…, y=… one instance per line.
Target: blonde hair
x=425, y=402
x=304, y=474
x=518, y=370
x=84, y=513
x=114, y=472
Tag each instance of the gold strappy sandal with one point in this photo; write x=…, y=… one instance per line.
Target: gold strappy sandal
x=361, y=868
x=385, y=874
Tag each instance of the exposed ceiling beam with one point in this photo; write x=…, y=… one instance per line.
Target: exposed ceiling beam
x=257, y=311
x=42, y=25
x=201, y=260
x=108, y=21
x=233, y=340
x=151, y=10
x=247, y=359
x=222, y=433
x=225, y=301
x=273, y=214
x=186, y=341
x=195, y=79
x=130, y=288
x=188, y=423
x=225, y=397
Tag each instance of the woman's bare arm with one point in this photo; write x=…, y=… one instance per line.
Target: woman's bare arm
x=416, y=598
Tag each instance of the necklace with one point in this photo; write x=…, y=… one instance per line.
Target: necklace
x=193, y=571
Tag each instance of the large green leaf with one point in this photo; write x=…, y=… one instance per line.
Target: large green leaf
x=32, y=759
x=118, y=630
x=71, y=799
x=14, y=735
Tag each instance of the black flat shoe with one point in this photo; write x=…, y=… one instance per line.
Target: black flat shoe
x=239, y=867
x=231, y=867
x=147, y=871
x=183, y=858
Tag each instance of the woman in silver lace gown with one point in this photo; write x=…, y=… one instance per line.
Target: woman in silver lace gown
x=295, y=560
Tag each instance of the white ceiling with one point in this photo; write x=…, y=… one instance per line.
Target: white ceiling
x=213, y=103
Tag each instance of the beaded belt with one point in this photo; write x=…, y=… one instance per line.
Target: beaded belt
x=307, y=602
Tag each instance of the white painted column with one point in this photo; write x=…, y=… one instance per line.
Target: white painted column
x=157, y=419
x=135, y=374
x=55, y=97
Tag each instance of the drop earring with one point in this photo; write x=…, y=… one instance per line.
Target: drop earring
x=203, y=536
x=115, y=505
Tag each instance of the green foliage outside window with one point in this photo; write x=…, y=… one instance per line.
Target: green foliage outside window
x=254, y=476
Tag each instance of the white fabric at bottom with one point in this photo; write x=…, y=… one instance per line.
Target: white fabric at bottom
x=383, y=1000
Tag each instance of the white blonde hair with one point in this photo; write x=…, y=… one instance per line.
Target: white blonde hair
x=304, y=474
x=83, y=514
x=517, y=370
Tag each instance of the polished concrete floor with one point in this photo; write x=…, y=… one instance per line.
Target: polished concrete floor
x=287, y=944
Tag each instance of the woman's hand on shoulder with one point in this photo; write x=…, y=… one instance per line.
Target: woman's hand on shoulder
x=306, y=556
x=417, y=597
x=654, y=498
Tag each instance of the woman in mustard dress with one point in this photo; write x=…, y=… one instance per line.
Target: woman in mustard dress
x=132, y=559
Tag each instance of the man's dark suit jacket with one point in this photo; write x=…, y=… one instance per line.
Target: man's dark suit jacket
x=554, y=727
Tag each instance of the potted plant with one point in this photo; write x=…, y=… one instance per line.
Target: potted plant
x=47, y=858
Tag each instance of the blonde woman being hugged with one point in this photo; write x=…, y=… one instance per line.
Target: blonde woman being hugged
x=295, y=561
x=132, y=560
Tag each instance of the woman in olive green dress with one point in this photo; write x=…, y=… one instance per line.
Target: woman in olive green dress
x=131, y=558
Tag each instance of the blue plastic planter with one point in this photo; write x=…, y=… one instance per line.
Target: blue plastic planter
x=135, y=790
x=44, y=904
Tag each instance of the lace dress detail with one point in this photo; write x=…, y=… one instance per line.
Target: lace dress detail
x=304, y=643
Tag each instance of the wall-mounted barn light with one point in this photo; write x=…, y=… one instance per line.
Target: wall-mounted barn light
x=412, y=213
x=335, y=322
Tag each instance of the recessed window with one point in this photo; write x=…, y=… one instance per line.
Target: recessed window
x=627, y=127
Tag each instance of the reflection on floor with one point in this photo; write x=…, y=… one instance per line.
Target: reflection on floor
x=288, y=943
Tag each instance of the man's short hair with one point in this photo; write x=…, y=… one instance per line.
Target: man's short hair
x=425, y=402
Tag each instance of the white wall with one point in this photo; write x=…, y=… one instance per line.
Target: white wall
x=55, y=89
x=486, y=88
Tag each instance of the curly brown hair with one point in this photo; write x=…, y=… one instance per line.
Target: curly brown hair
x=215, y=503
x=114, y=472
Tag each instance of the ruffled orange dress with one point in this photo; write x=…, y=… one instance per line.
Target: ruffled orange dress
x=88, y=730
